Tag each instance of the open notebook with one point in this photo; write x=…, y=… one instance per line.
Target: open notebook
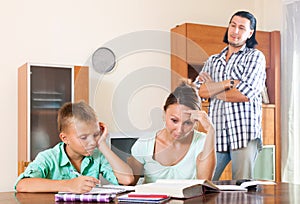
x=107, y=189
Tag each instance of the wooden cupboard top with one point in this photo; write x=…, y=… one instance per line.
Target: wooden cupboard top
x=205, y=40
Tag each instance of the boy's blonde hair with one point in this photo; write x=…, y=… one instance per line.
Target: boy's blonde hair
x=70, y=111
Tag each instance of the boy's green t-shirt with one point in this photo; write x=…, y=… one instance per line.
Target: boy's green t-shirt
x=54, y=164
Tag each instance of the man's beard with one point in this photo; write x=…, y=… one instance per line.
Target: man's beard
x=236, y=45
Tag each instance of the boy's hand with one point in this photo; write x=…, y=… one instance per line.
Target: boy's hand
x=103, y=136
x=82, y=184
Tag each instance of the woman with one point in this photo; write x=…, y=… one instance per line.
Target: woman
x=178, y=151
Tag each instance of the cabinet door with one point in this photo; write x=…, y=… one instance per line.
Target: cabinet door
x=42, y=90
x=268, y=124
x=50, y=88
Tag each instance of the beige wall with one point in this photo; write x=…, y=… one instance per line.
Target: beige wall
x=67, y=32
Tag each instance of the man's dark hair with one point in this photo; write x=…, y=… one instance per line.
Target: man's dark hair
x=251, y=42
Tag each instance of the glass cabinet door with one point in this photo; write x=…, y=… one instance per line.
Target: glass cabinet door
x=50, y=88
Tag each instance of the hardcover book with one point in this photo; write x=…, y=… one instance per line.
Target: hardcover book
x=178, y=188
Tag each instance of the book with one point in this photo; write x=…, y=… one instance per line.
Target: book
x=69, y=197
x=232, y=188
x=97, y=194
x=178, y=188
x=253, y=183
x=245, y=186
x=143, y=198
x=104, y=190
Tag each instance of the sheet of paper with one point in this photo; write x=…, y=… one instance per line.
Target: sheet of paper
x=126, y=188
x=102, y=190
x=231, y=188
x=106, y=190
x=257, y=182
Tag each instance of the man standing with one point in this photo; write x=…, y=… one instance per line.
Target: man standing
x=233, y=81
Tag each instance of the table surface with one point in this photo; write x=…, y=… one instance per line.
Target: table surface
x=279, y=193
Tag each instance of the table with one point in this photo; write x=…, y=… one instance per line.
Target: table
x=280, y=193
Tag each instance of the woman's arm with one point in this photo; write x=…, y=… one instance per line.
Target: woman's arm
x=206, y=160
x=206, y=166
x=121, y=169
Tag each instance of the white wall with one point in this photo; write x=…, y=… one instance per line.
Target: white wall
x=69, y=31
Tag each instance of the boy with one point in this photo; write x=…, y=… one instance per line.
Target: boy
x=74, y=165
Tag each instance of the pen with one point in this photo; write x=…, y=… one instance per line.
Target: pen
x=79, y=174
x=100, y=180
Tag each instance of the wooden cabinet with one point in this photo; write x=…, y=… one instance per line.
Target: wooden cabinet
x=42, y=90
x=192, y=44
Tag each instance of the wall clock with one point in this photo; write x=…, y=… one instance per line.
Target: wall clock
x=103, y=60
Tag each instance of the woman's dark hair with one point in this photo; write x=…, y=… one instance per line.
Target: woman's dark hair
x=251, y=42
x=186, y=95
